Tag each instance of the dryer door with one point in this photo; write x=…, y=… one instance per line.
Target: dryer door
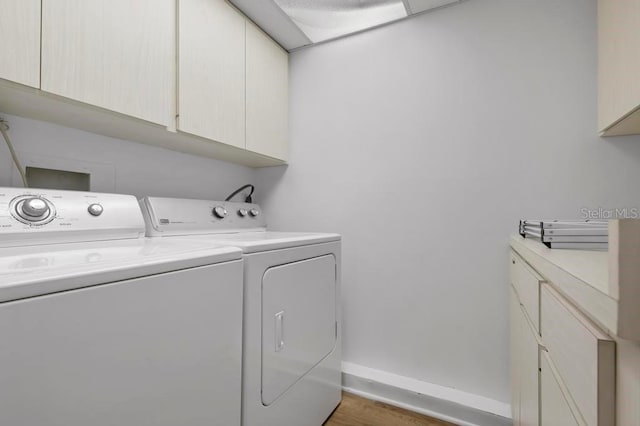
x=298, y=321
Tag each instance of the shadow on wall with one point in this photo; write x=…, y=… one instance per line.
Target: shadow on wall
x=266, y=179
x=625, y=144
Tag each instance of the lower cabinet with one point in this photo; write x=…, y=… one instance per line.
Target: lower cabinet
x=554, y=406
x=583, y=354
x=514, y=350
x=524, y=366
x=565, y=374
x=529, y=368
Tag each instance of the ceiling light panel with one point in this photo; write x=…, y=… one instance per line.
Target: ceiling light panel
x=418, y=6
x=326, y=19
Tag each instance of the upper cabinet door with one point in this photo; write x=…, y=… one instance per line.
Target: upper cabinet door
x=267, y=95
x=114, y=54
x=211, y=70
x=20, y=38
x=619, y=67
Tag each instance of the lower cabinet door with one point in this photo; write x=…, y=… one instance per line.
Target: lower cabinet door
x=584, y=356
x=529, y=373
x=514, y=366
x=554, y=407
x=525, y=378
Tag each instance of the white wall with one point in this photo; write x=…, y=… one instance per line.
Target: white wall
x=117, y=165
x=423, y=143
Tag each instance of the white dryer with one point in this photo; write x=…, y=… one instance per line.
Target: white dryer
x=101, y=326
x=292, y=319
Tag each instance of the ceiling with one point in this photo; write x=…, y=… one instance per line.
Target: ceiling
x=298, y=23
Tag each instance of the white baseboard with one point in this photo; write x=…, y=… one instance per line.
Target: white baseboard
x=436, y=401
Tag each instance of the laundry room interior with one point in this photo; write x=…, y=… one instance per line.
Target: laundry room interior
x=386, y=212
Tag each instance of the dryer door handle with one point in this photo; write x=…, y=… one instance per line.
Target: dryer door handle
x=279, y=318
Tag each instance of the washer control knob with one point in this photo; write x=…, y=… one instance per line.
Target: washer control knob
x=219, y=212
x=254, y=212
x=95, y=209
x=242, y=212
x=35, y=208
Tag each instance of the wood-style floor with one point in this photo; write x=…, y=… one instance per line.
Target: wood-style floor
x=357, y=411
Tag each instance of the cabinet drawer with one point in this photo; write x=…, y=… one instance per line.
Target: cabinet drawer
x=527, y=284
x=583, y=355
x=554, y=404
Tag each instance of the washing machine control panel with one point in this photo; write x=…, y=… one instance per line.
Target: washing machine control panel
x=43, y=216
x=172, y=216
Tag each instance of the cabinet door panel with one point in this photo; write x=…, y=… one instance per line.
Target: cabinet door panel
x=211, y=70
x=20, y=36
x=618, y=62
x=527, y=283
x=554, y=407
x=529, y=374
x=267, y=95
x=115, y=54
x=584, y=357
x=514, y=370
x=524, y=365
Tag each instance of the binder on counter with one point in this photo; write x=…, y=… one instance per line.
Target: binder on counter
x=579, y=235
x=576, y=231
x=579, y=246
x=574, y=238
x=565, y=224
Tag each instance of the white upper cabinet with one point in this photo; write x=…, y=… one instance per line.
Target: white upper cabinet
x=20, y=38
x=193, y=76
x=267, y=95
x=211, y=70
x=619, y=67
x=233, y=80
x=114, y=54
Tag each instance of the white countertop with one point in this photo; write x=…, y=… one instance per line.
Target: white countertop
x=581, y=275
x=38, y=270
x=605, y=286
x=590, y=267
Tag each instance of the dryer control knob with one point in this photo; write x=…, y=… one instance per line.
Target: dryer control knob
x=35, y=208
x=254, y=212
x=219, y=212
x=95, y=210
x=242, y=212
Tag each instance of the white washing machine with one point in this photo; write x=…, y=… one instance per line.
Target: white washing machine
x=292, y=332
x=101, y=326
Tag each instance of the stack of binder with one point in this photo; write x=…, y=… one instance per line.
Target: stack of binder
x=579, y=235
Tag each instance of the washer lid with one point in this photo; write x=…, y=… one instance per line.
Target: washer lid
x=34, y=271
x=253, y=242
